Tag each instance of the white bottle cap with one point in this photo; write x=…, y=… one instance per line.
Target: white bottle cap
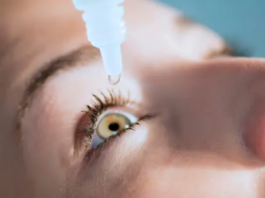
x=105, y=30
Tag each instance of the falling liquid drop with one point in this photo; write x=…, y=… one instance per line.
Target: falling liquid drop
x=114, y=80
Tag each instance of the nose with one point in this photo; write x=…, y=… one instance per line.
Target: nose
x=202, y=107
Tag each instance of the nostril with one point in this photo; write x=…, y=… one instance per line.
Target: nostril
x=255, y=134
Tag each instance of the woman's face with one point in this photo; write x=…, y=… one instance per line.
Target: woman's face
x=201, y=125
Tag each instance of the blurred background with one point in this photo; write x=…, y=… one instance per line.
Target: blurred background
x=240, y=22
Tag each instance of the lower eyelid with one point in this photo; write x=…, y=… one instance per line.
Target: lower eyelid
x=93, y=154
x=111, y=146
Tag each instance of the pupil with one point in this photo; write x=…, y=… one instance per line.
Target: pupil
x=114, y=126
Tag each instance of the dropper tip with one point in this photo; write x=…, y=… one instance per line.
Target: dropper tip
x=114, y=79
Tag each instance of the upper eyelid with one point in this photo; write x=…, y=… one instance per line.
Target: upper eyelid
x=100, y=104
x=109, y=111
x=74, y=59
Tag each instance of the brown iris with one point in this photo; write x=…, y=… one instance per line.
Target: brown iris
x=111, y=124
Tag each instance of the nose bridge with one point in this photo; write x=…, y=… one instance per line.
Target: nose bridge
x=167, y=79
x=195, y=109
x=179, y=93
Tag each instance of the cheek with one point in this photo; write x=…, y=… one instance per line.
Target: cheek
x=45, y=154
x=46, y=149
x=255, y=134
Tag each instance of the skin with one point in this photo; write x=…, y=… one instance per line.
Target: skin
x=206, y=140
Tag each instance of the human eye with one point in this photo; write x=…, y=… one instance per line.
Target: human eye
x=109, y=116
x=112, y=123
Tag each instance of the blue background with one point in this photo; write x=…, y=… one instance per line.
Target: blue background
x=240, y=22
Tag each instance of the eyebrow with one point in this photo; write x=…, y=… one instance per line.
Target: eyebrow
x=78, y=58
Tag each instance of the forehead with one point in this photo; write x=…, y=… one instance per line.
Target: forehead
x=30, y=37
x=29, y=29
x=32, y=34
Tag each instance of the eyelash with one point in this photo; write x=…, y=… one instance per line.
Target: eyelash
x=98, y=106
